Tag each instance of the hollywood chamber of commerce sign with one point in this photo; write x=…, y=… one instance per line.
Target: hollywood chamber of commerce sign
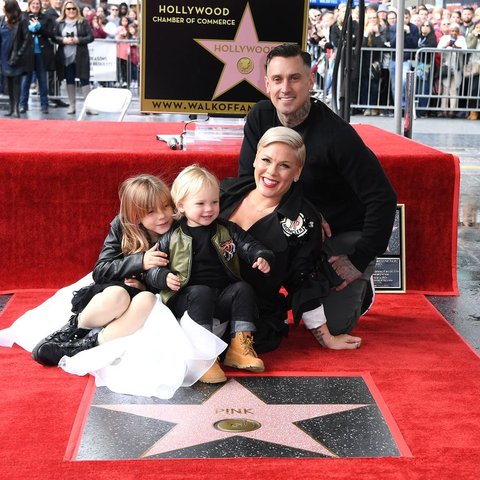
x=207, y=56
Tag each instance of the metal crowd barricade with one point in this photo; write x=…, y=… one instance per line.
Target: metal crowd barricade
x=440, y=81
x=437, y=88
x=123, y=75
x=372, y=86
x=443, y=83
x=126, y=69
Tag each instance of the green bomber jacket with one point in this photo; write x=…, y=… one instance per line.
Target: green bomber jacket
x=230, y=242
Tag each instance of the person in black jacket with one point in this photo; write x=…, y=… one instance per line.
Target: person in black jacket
x=425, y=66
x=271, y=207
x=203, y=275
x=341, y=177
x=73, y=34
x=12, y=46
x=53, y=12
x=38, y=56
x=118, y=301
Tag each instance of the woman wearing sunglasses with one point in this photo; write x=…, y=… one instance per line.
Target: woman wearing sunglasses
x=73, y=34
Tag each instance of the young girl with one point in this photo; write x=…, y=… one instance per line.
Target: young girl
x=123, y=51
x=110, y=313
x=133, y=30
x=117, y=302
x=203, y=276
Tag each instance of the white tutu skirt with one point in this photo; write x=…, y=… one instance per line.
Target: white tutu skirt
x=154, y=362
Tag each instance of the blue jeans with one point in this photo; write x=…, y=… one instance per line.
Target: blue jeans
x=369, y=91
x=407, y=65
x=71, y=73
x=39, y=70
x=423, y=88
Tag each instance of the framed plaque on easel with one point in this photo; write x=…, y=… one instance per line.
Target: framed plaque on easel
x=389, y=276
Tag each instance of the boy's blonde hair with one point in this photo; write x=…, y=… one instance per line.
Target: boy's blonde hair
x=190, y=181
x=289, y=137
x=139, y=196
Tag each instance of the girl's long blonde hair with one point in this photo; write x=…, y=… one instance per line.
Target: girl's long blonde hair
x=139, y=196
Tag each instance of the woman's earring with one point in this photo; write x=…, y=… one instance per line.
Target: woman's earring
x=295, y=179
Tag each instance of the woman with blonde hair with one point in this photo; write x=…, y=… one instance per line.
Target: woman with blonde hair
x=451, y=69
x=271, y=207
x=73, y=34
x=371, y=63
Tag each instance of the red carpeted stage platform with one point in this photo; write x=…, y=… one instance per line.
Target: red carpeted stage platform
x=59, y=183
x=58, y=194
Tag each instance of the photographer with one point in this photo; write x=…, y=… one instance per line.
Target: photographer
x=451, y=69
x=38, y=56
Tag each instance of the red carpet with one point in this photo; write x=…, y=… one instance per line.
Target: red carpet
x=59, y=188
x=426, y=374
x=59, y=182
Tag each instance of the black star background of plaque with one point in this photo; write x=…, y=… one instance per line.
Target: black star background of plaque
x=249, y=416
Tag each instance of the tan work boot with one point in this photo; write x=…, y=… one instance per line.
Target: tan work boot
x=240, y=354
x=214, y=374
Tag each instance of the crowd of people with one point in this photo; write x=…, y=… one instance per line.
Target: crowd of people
x=448, y=75
x=446, y=82
x=48, y=43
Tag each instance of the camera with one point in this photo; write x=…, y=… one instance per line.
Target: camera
x=452, y=42
x=32, y=16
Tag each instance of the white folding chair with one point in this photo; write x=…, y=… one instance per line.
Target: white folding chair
x=107, y=100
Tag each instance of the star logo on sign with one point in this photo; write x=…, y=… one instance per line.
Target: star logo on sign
x=234, y=405
x=243, y=57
